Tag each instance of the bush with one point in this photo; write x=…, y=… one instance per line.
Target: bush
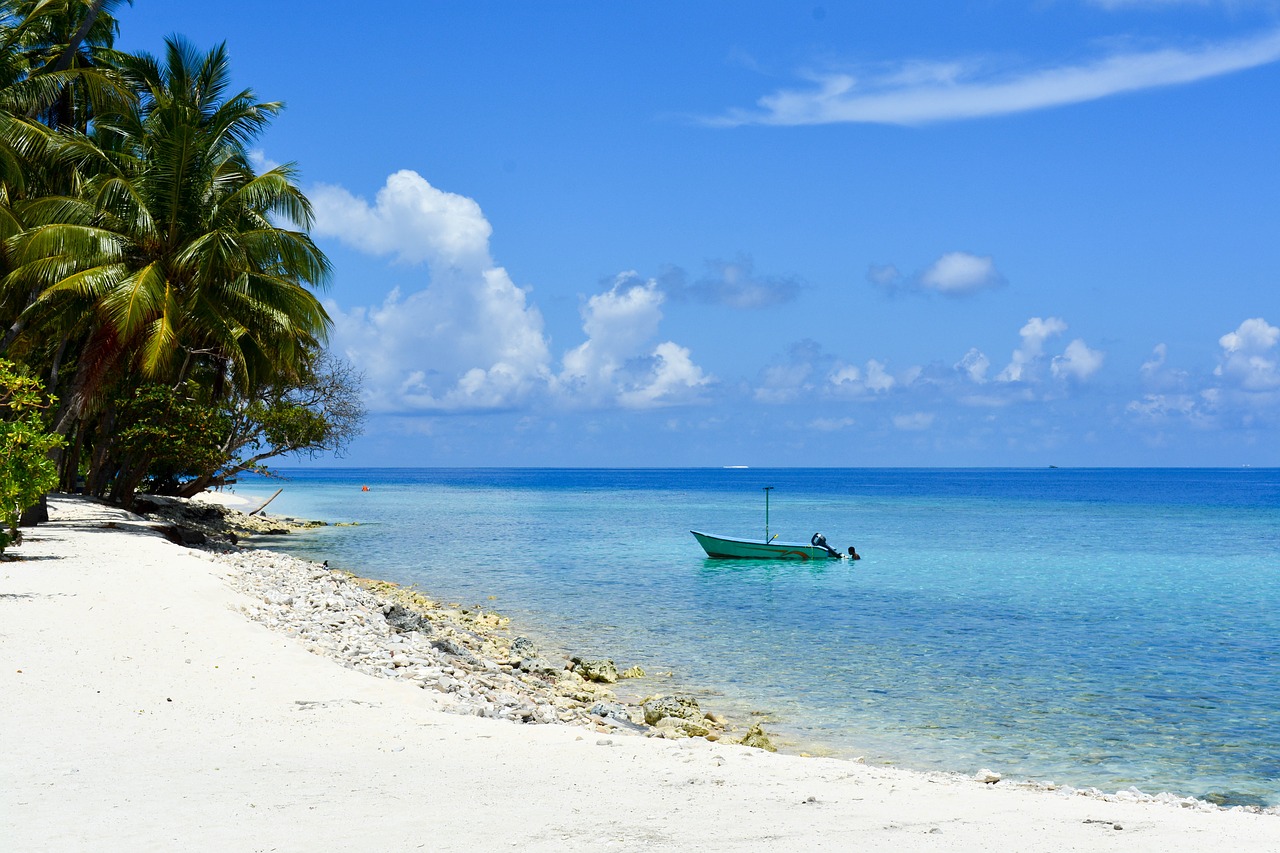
x=26, y=471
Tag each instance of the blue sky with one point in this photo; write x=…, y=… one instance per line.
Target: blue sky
x=927, y=234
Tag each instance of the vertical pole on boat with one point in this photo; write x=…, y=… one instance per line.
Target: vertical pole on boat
x=766, y=512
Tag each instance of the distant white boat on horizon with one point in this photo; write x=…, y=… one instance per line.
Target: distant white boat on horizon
x=734, y=466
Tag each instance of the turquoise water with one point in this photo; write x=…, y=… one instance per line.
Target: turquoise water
x=1101, y=628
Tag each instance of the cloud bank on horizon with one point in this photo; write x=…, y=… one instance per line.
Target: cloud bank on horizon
x=470, y=340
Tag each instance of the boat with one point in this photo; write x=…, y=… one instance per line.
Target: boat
x=733, y=548
x=768, y=548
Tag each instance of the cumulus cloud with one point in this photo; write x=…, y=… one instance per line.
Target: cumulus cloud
x=877, y=377
x=735, y=284
x=974, y=365
x=1034, y=334
x=959, y=273
x=809, y=373
x=670, y=377
x=470, y=339
x=615, y=361
x=923, y=92
x=1077, y=362
x=954, y=274
x=409, y=219
x=1248, y=358
x=1244, y=388
x=848, y=380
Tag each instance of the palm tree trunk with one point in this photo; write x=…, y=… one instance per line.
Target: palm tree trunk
x=99, y=473
x=128, y=479
x=70, y=472
x=69, y=55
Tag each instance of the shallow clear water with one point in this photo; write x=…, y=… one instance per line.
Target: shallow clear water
x=1099, y=628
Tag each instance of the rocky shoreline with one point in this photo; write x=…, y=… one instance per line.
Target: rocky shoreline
x=468, y=660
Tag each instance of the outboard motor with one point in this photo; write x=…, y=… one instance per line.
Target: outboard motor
x=820, y=541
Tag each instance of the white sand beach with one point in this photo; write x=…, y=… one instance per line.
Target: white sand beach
x=143, y=711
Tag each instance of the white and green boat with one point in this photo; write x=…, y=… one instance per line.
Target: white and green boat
x=768, y=548
x=733, y=548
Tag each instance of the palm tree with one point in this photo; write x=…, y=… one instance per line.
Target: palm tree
x=67, y=46
x=56, y=70
x=169, y=257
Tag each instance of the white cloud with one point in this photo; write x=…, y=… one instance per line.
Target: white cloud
x=878, y=379
x=782, y=383
x=914, y=422
x=1162, y=407
x=1157, y=374
x=618, y=323
x=672, y=378
x=463, y=343
x=1248, y=356
x=1151, y=368
x=849, y=380
x=958, y=273
x=410, y=219
x=1034, y=334
x=615, y=363
x=1246, y=389
x=1077, y=362
x=261, y=162
x=974, y=365
x=954, y=274
x=924, y=92
x=470, y=339
x=1256, y=335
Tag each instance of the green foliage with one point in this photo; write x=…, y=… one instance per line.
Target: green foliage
x=170, y=434
x=318, y=410
x=161, y=285
x=26, y=472
x=288, y=424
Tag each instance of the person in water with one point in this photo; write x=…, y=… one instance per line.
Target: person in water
x=854, y=555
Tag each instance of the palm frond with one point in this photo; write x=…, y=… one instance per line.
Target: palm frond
x=136, y=299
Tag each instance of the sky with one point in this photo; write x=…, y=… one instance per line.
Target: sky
x=971, y=233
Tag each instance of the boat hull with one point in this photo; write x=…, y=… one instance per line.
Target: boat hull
x=733, y=548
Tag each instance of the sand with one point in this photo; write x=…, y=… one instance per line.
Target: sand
x=142, y=711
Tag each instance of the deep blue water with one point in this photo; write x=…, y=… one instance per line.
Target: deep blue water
x=1102, y=628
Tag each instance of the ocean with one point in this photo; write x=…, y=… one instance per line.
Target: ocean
x=1099, y=628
